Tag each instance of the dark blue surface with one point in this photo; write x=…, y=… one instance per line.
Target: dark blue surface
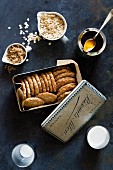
x=16, y=127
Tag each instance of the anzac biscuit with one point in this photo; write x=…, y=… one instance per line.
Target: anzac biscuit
x=19, y=94
x=43, y=84
x=66, y=74
x=36, y=89
x=66, y=80
x=60, y=68
x=66, y=88
x=23, y=89
x=45, y=81
x=49, y=82
x=48, y=97
x=32, y=102
x=56, y=73
x=38, y=82
x=27, y=88
x=63, y=95
x=52, y=81
x=30, y=84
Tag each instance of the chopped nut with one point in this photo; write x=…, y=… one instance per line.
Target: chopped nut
x=15, y=54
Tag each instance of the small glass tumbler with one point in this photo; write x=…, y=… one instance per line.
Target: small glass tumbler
x=23, y=155
x=100, y=42
x=98, y=137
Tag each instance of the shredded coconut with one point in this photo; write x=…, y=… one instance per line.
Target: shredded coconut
x=28, y=37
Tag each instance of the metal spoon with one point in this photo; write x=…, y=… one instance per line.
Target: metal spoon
x=91, y=43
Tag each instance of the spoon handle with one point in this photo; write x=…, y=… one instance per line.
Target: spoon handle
x=109, y=16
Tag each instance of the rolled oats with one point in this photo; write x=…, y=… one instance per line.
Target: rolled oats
x=51, y=26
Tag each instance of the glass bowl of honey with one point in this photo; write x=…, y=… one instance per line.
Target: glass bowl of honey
x=100, y=42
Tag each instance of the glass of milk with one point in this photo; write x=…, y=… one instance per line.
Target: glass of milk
x=23, y=155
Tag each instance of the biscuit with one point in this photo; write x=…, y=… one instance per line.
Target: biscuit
x=66, y=74
x=42, y=84
x=48, y=97
x=30, y=85
x=66, y=88
x=56, y=73
x=60, y=68
x=36, y=89
x=53, y=82
x=23, y=89
x=27, y=88
x=32, y=102
x=45, y=81
x=38, y=82
x=63, y=95
x=19, y=94
x=66, y=80
x=49, y=82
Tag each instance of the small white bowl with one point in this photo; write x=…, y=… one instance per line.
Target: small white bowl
x=5, y=58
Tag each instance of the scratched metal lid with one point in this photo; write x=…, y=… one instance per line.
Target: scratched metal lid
x=74, y=111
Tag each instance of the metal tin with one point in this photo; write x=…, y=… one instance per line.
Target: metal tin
x=16, y=81
x=74, y=111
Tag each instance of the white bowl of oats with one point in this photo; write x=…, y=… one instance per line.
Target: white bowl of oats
x=15, y=54
x=52, y=26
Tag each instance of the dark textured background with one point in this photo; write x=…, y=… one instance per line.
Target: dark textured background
x=16, y=127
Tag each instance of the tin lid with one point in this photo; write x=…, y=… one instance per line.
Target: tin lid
x=74, y=111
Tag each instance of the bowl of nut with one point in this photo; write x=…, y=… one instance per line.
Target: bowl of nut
x=15, y=54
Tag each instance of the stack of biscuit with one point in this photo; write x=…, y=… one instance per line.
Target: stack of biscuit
x=46, y=87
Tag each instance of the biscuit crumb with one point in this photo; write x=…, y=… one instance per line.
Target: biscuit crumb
x=49, y=43
x=10, y=69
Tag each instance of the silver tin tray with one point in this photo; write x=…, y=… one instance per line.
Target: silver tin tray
x=16, y=81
